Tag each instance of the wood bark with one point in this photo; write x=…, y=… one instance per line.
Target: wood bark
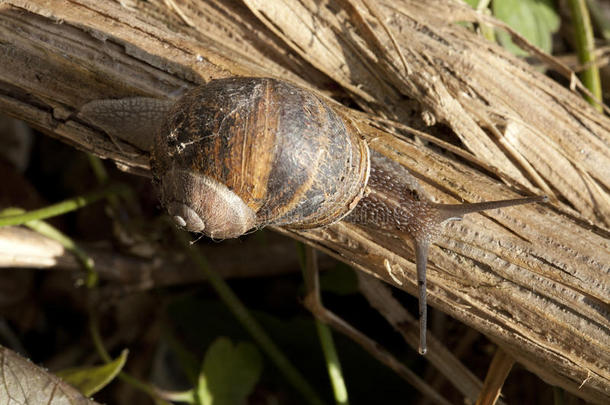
x=535, y=279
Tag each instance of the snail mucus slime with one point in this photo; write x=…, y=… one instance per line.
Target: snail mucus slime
x=241, y=153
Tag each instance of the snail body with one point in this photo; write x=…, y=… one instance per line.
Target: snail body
x=241, y=153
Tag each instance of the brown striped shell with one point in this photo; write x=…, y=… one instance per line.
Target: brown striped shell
x=243, y=153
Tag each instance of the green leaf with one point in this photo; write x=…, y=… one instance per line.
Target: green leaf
x=472, y=3
x=90, y=380
x=536, y=20
x=229, y=373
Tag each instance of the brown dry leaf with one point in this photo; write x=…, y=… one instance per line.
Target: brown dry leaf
x=534, y=279
x=24, y=383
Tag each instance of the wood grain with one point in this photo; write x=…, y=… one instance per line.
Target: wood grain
x=535, y=279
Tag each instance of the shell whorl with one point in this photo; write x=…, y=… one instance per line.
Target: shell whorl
x=282, y=150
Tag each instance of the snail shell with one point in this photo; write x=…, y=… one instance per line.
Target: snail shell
x=243, y=153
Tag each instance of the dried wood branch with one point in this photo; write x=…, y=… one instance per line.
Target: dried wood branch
x=23, y=248
x=380, y=297
x=534, y=279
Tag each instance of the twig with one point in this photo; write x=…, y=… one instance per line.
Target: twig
x=499, y=368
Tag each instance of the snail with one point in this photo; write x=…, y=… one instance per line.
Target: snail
x=242, y=153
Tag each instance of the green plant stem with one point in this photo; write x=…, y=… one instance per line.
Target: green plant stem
x=179, y=396
x=482, y=5
x=487, y=31
x=249, y=323
x=97, y=166
x=333, y=365
x=51, y=232
x=597, y=15
x=63, y=207
x=309, y=266
x=558, y=396
x=585, y=47
x=101, y=350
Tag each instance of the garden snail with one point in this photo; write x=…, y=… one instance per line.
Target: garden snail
x=241, y=153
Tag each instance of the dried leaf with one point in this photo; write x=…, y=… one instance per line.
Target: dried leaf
x=24, y=383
